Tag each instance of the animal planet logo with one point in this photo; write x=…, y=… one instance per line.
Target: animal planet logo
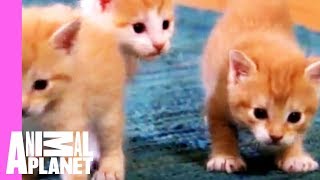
x=70, y=148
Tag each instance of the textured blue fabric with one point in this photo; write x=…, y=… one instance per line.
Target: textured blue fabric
x=166, y=138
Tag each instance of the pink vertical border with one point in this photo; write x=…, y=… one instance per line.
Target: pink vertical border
x=10, y=75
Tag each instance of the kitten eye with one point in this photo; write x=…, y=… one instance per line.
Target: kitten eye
x=260, y=113
x=165, y=24
x=40, y=84
x=139, y=28
x=294, y=117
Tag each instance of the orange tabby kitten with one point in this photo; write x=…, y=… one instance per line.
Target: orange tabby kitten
x=255, y=75
x=81, y=91
x=46, y=75
x=38, y=25
x=143, y=27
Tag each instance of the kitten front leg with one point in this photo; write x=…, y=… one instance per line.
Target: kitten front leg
x=225, y=155
x=70, y=118
x=294, y=159
x=110, y=139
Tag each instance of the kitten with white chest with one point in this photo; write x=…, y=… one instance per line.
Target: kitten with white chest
x=255, y=75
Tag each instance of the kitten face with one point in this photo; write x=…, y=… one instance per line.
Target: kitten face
x=47, y=69
x=148, y=35
x=43, y=84
x=276, y=103
x=144, y=27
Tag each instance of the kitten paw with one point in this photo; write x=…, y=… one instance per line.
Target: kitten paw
x=228, y=164
x=74, y=177
x=295, y=164
x=99, y=175
x=110, y=169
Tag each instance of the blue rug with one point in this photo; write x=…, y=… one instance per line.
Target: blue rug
x=166, y=138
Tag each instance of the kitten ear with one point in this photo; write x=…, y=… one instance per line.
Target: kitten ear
x=312, y=71
x=93, y=6
x=240, y=66
x=104, y=4
x=65, y=36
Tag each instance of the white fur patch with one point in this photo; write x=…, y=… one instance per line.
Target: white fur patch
x=288, y=139
x=303, y=163
x=93, y=144
x=92, y=11
x=205, y=120
x=155, y=30
x=261, y=133
x=226, y=163
x=89, y=7
x=64, y=176
x=37, y=109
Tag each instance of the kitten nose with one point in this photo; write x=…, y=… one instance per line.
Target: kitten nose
x=275, y=139
x=158, y=46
